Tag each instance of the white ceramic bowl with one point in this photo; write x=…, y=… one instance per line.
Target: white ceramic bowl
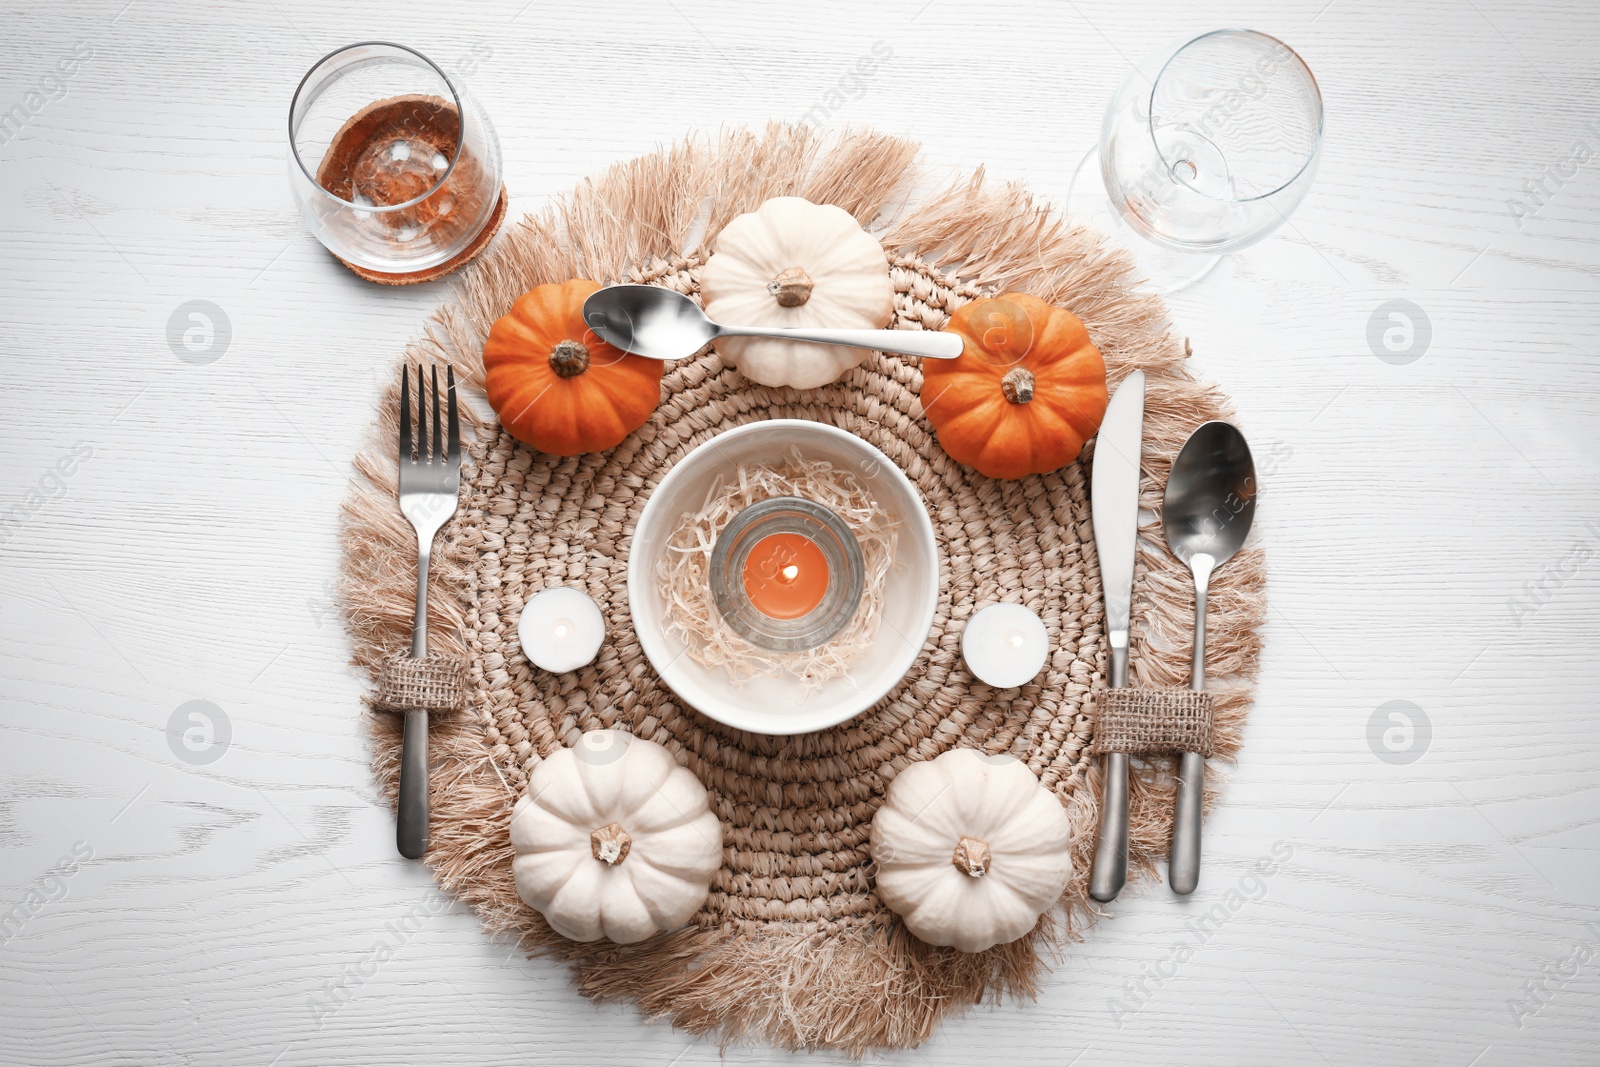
x=780, y=705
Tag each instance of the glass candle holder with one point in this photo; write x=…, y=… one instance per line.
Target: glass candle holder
x=394, y=166
x=787, y=574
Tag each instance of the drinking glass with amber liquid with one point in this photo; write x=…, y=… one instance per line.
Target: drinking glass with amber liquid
x=394, y=166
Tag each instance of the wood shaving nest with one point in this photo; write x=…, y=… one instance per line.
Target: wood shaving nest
x=683, y=575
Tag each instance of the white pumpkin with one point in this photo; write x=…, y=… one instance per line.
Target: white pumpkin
x=970, y=849
x=613, y=839
x=794, y=263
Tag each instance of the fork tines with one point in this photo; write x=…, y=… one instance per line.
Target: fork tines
x=427, y=448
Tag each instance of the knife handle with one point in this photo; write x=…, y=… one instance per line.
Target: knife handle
x=1110, y=870
x=411, y=833
x=1183, y=862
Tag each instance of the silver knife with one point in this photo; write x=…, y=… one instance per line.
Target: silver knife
x=1114, y=503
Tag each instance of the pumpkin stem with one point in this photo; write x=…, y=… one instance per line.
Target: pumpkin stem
x=610, y=844
x=1017, y=385
x=791, y=288
x=569, y=359
x=971, y=857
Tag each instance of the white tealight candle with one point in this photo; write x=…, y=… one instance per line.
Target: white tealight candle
x=1005, y=645
x=561, y=629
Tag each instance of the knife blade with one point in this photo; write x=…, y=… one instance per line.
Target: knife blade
x=1114, y=503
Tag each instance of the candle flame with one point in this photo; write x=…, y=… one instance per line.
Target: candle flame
x=563, y=630
x=791, y=572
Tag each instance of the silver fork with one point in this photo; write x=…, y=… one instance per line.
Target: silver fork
x=430, y=482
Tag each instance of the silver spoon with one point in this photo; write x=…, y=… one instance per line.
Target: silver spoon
x=648, y=320
x=1209, y=505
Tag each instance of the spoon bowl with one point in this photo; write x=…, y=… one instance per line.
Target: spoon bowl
x=649, y=320
x=1211, y=496
x=1209, y=505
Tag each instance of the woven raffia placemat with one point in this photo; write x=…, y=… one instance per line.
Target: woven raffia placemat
x=793, y=946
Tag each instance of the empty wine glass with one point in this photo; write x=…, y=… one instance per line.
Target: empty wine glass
x=1204, y=151
x=393, y=164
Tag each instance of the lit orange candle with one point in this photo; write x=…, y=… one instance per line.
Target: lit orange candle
x=785, y=575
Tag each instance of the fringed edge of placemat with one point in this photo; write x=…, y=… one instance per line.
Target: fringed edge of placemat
x=789, y=989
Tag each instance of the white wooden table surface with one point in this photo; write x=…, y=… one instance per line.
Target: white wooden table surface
x=169, y=530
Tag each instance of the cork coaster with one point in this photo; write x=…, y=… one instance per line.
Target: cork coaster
x=465, y=256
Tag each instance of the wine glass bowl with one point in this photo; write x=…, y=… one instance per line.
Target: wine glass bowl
x=1203, y=151
x=1212, y=150
x=394, y=166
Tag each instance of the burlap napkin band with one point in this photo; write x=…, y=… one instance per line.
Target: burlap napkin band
x=436, y=682
x=1145, y=721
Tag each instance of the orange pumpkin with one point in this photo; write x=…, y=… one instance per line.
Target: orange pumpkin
x=1028, y=389
x=555, y=384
